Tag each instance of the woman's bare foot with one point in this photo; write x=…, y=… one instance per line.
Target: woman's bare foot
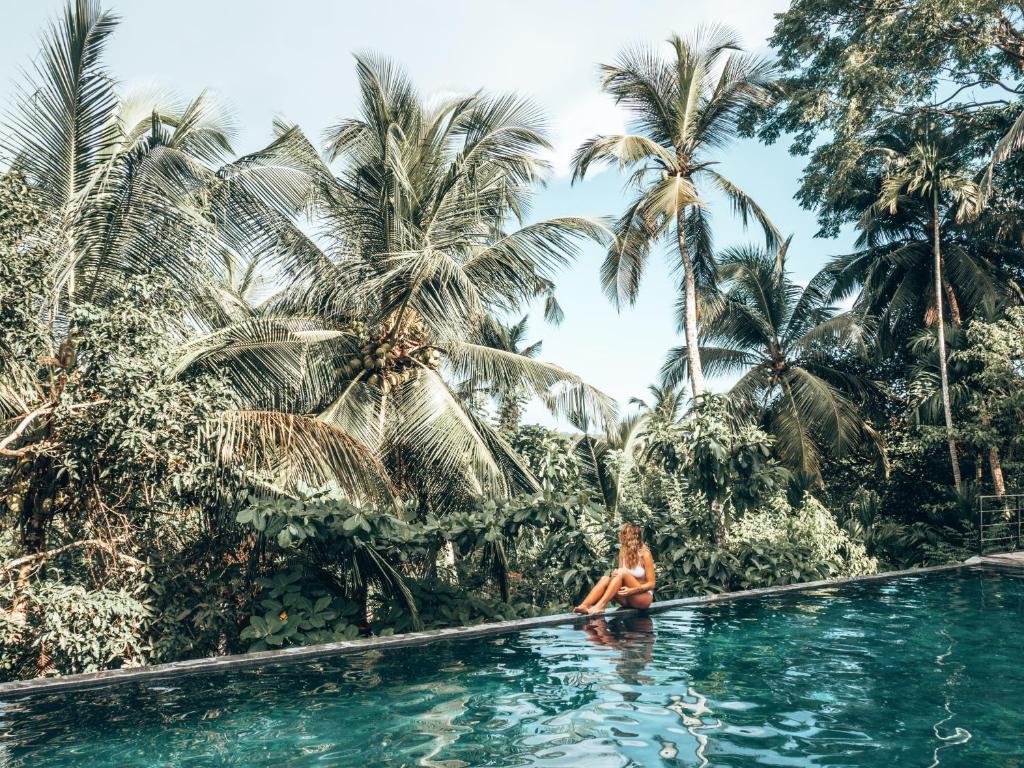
x=581, y=608
x=595, y=609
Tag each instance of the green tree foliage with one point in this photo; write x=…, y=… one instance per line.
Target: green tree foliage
x=788, y=345
x=425, y=250
x=509, y=395
x=190, y=467
x=847, y=70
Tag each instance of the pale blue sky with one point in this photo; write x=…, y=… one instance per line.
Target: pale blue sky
x=264, y=57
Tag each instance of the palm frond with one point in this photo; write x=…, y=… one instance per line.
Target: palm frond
x=61, y=131
x=291, y=449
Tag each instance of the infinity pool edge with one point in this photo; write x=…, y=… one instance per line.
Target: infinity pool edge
x=45, y=685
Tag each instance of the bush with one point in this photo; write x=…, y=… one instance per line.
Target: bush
x=772, y=545
x=296, y=608
x=67, y=629
x=780, y=545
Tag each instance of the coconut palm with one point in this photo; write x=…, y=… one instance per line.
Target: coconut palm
x=910, y=269
x=141, y=187
x=784, y=342
x=424, y=250
x=683, y=110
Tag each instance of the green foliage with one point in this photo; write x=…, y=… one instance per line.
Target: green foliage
x=727, y=459
x=549, y=456
x=995, y=357
x=67, y=629
x=787, y=345
x=294, y=609
x=446, y=605
x=121, y=427
x=771, y=545
x=713, y=453
x=848, y=69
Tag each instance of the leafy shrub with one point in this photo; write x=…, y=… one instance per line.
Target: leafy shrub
x=67, y=629
x=780, y=545
x=442, y=604
x=297, y=609
x=775, y=544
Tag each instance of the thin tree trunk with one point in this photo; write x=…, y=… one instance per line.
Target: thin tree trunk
x=996, y=467
x=721, y=524
x=947, y=408
x=995, y=464
x=694, y=366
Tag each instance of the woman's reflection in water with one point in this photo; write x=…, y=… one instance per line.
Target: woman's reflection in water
x=632, y=637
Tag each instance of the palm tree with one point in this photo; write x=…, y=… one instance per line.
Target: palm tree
x=682, y=110
x=923, y=176
x=785, y=343
x=666, y=401
x=141, y=188
x=425, y=250
x=628, y=439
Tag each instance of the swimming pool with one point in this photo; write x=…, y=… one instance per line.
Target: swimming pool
x=917, y=671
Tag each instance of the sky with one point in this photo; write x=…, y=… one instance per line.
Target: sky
x=264, y=58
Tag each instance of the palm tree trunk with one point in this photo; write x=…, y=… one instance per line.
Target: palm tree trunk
x=694, y=366
x=947, y=408
x=509, y=413
x=720, y=523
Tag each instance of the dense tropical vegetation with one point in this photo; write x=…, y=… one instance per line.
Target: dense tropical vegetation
x=188, y=469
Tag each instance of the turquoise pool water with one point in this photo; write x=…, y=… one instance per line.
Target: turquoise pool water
x=919, y=671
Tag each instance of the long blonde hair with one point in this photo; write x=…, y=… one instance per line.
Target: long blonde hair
x=631, y=544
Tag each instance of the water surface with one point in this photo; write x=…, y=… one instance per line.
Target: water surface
x=918, y=671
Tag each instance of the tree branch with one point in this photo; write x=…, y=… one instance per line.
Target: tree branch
x=20, y=429
x=42, y=410
x=98, y=543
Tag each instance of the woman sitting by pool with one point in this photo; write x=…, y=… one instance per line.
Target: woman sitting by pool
x=631, y=585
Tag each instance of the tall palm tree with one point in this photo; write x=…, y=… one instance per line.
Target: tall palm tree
x=683, y=110
x=784, y=341
x=425, y=248
x=925, y=175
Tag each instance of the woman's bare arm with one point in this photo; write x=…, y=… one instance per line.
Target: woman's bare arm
x=649, y=577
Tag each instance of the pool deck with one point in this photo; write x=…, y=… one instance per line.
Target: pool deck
x=49, y=685
x=1000, y=559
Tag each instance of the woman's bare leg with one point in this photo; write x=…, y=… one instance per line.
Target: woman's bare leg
x=614, y=585
x=628, y=580
x=594, y=595
x=639, y=600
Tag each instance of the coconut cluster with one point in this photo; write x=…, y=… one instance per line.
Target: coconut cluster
x=385, y=362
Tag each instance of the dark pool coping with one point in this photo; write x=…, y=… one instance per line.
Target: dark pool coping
x=48, y=685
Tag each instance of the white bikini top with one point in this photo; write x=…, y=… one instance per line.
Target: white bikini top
x=639, y=570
